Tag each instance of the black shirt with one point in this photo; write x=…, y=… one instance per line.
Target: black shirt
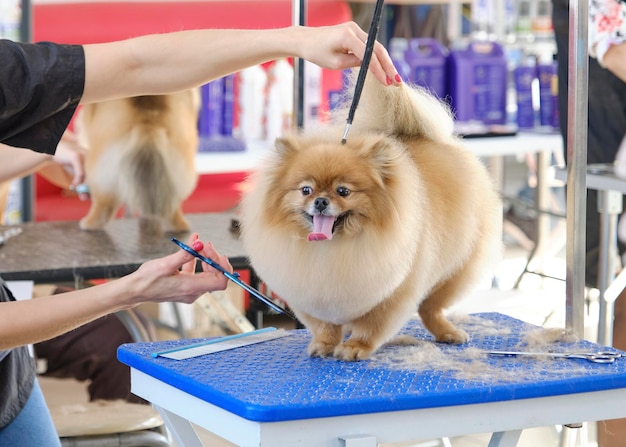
x=40, y=87
x=17, y=375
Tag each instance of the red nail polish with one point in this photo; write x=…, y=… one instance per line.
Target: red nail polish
x=198, y=245
x=388, y=80
x=398, y=78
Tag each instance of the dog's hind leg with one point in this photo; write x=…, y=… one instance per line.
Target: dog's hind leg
x=100, y=213
x=477, y=267
x=177, y=222
x=378, y=326
x=431, y=311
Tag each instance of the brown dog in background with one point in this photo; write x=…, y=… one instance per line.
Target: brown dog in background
x=141, y=155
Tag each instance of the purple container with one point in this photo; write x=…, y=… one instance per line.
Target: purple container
x=548, y=94
x=398, y=49
x=426, y=58
x=228, y=105
x=524, y=75
x=477, y=83
x=210, y=121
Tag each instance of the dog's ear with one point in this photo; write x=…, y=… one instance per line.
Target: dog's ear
x=285, y=146
x=384, y=154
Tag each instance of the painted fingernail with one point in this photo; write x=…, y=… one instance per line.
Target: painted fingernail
x=388, y=80
x=198, y=245
x=398, y=78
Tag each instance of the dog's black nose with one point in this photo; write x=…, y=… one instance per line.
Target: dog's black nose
x=321, y=203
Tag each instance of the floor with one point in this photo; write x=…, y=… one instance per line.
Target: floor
x=537, y=300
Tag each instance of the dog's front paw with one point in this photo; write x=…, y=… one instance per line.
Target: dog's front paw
x=453, y=337
x=320, y=349
x=352, y=351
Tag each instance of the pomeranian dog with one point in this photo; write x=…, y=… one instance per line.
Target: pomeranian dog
x=357, y=237
x=140, y=154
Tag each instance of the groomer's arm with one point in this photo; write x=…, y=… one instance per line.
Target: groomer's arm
x=165, y=63
x=170, y=278
x=69, y=156
x=615, y=60
x=16, y=164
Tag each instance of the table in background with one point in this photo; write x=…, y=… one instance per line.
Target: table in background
x=273, y=394
x=546, y=150
x=53, y=252
x=60, y=251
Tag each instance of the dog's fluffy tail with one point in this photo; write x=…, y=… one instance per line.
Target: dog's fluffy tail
x=406, y=109
x=146, y=165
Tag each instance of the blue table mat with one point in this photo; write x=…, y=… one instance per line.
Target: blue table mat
x=277, y=380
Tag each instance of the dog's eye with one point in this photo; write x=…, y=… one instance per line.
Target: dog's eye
x=306, y=190
x=343, y=191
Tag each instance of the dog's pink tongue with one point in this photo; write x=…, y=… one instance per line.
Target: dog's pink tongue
x=322, y=228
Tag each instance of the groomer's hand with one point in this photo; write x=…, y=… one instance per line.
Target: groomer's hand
x=173, y=277
x=343, y=46
x=68, y=167
x=71, y=155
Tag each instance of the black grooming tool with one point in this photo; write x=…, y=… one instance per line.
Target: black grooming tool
x=365, y=63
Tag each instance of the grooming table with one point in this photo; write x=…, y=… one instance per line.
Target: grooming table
x=273, y=394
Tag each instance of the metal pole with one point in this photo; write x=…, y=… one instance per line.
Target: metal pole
x=577, y=99
x=298, y=8
x=27, y=183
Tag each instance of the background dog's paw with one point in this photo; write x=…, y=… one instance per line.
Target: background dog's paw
x=319, y=349
x=90, y=224
x=453, y=337
x=352, y=351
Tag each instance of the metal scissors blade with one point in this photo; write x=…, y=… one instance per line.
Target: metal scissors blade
x=234, y=277
x=594, y=357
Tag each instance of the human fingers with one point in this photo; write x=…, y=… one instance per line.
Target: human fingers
x=71, y=155
x=194, y=242
x=211, y=252
x=77, y=163
x=160, y=280
x=381, y=65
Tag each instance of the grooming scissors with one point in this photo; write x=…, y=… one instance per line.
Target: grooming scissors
x=594, y=357
x=234, y=277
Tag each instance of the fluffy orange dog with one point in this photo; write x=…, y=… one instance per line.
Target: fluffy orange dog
x=141, y=155
x=357, y=237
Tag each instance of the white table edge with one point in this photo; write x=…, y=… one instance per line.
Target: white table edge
x=394, y=426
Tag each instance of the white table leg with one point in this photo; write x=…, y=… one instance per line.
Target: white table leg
x=180, y=428
x=505, y=438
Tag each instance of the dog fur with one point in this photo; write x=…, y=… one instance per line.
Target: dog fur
x=418, y=222
x=141, y=154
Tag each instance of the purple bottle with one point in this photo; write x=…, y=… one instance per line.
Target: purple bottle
x=210, y=122
x=524, y=76
x=477, y=82
x=228, y=105
x=426, y=58
x=548, y=94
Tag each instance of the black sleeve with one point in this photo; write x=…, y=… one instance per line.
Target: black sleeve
x=40, y=87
